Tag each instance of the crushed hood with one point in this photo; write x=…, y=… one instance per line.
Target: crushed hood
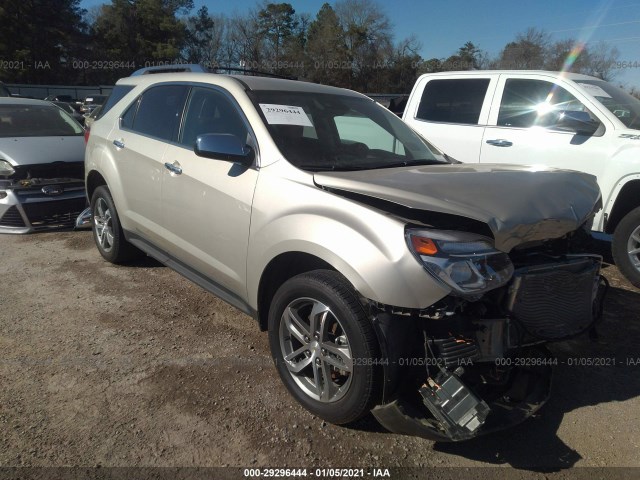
x=518, y=203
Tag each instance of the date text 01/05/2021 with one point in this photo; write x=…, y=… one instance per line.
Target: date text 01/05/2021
x=317, y=472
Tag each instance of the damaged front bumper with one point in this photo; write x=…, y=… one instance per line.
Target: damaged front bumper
x=528, y=391
x=40, y=204
x=454, y=375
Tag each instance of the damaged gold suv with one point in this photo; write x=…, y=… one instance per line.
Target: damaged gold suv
x=390, y=278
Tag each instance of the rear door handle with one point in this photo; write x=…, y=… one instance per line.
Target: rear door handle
x=173, y=168
x=118, y=143
x=500, y=143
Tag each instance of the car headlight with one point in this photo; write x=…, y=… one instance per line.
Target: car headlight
x=6, y=169
x=467, y=263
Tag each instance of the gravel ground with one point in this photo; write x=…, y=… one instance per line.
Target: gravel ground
x=135, y=366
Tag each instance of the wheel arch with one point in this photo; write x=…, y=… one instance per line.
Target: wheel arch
x=94, y=180
x=280, y=269
x=628, y=198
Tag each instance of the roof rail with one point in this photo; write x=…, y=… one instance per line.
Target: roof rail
x=170, y=68
x=193, y=67
x=253, y=72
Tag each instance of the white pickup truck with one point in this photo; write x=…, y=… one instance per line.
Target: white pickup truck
x=551, y=119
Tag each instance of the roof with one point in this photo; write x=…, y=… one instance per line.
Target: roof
x=569, y=75
x=270, y=83
x=247, y=81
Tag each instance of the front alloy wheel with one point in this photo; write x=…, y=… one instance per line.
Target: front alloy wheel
x=324, y=346
x=633, y=248
x=316, y=350
x=626, y=246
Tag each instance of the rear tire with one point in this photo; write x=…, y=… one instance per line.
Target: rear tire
x=324, y=346
x=107, y=231
x=626, y=246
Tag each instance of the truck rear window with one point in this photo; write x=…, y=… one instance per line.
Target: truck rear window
x=453, y=100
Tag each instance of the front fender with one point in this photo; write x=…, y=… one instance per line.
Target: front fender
x=613, y=198
x=622, y=168
x=365, y=245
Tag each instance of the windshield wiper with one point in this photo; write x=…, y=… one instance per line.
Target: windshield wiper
x=327, y=168
x=405, y=163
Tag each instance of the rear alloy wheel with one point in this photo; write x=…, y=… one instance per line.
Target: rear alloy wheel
x=107, y=231
x=626, y=246
x=324, y=346
x=103, y=223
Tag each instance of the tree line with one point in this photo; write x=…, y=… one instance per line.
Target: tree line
x=349, y=44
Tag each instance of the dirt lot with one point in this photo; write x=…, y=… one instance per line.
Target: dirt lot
x=136, y=366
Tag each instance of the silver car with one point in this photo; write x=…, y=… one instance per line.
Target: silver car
x=390, y=278
x=41, y=166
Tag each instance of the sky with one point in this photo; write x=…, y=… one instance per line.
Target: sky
x=444, y=26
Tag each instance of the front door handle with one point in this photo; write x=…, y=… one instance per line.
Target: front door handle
x=173, y=168
x=500, y=143
x=118, y=143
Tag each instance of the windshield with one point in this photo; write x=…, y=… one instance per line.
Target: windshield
x=320, y=132
x=624, y=106
x=37, y=121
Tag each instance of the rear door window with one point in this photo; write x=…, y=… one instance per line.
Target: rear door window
x=453, y=100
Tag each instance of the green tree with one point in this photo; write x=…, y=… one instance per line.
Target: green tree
x=277, y=22
x=326, y=49
x=204, y=38
x=44, y=46
x=143, y=32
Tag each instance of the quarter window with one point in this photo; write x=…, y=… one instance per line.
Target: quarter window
x=159, y=112
x=453, y=101
x=530, y=103
x=118, y=92
x=126, y=121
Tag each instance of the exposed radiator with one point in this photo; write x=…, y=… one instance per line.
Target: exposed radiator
x=555, y=301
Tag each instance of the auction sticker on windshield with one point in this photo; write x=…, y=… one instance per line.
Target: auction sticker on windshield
x=285, y=115
x=595, y=90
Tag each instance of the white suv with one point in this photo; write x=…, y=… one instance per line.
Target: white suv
x=549, y=119
x=388, y=278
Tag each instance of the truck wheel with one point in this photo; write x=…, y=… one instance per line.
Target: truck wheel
x=107, y=231
x=626, y=246
x=324, y=346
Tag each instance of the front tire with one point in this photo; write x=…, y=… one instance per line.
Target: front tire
x=107, y=231
x=324, y=346
x=626, y=246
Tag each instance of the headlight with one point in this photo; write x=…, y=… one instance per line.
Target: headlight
x=465, y=262
x=6, y=169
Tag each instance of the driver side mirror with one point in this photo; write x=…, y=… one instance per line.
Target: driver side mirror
x=224, y=146
x=578, y=122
